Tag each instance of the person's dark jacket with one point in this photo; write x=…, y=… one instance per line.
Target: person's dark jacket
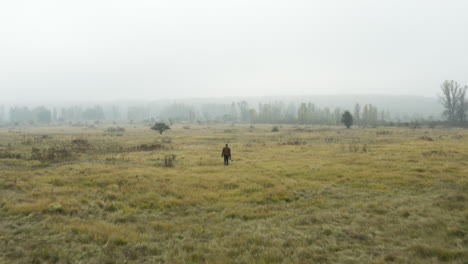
x=226, y=152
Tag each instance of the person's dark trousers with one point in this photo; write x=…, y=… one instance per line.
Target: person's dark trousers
x=226, y=160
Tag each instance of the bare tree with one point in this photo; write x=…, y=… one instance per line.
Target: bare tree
x=453, y=100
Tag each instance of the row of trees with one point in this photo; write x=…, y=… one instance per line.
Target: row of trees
x=270, y=113
x=44, y=115
x=453, y=99
x=24, y=115
x=308, y=113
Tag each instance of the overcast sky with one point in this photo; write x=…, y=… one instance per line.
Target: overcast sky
x=115, y=49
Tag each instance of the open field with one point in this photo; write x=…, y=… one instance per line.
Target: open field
x=300, y=195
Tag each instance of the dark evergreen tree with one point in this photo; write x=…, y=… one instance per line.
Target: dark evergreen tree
x=347, y=119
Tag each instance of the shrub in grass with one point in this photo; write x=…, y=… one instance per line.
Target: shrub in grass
x=55, y=208
x=169, y=160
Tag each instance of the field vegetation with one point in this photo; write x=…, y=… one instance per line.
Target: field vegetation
x=292, y=194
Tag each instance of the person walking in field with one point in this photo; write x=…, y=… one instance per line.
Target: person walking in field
x=226, y=153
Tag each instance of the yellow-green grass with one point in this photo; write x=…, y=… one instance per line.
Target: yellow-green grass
x=301, y=195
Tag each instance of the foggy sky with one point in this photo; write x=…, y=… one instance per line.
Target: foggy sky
x=115, y=49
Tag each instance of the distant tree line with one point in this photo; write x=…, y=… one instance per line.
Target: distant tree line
x=453, y=99
x=308, y=113
x=24, y=115
x=236, y=112
x=43, y=115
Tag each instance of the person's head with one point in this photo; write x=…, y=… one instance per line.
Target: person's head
x=226, y=145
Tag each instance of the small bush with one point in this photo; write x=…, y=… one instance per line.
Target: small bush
x=55, y=208
x=382, y=133
x=294, y=142
x=4, y=154
x=80, y=142
x=364, y=148
x=115, y=129
x=50, y=154
x=330, y=140
x=147, y=147
x=169, y=160
x=275, y=129
x=426, y=138
x=354, y=147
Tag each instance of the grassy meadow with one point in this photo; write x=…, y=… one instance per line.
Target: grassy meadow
x=304, y=194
